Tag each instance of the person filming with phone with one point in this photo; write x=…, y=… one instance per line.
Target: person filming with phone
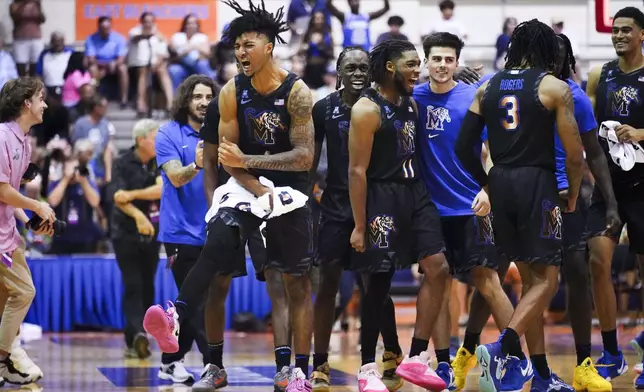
x=75, y=198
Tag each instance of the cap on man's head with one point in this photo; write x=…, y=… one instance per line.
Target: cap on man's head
x=143, y=127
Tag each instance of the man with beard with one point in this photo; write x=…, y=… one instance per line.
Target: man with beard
x=523, y=187
x=183, y=206
x=392, y=211
x=266, y=132
x=614, y=91
x=331, y=117
x=463, y=206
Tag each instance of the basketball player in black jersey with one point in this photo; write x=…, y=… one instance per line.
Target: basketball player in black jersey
x=392, y=211
x=615, y=91
x=214, y=175
x=331, y=117
x=266, y=130
x=520, y=106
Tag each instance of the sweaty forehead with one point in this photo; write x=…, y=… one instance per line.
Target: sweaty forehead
x=355, y=57
x=251, y=36
x=409, y=55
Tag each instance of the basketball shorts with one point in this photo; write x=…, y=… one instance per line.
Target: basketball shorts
x=403, y=227
x=631, y=213
x=469, y=243
x=527, y=214
x=289, y=246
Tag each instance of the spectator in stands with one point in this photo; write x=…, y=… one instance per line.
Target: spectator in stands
x=147, y=56
x=355, y=24
x=447, y=23
x=299, y=15
x=95, y=127
x=52, y=64
x=225, y=72
x=502, y=42
x=395, y=23
x=317, y=47
x=137, y=187
x=78, y=88
x=191, y=51
x=8, y=69
x=558, y=26
x=74, y=199
x=27, y=18
x=105, y=53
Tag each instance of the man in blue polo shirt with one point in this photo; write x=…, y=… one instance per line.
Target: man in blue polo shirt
x=182, y=229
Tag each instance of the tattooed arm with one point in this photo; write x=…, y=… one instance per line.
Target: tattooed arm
x=555, y=95
x=301, y=134
x=178, y=174
x=229, y=132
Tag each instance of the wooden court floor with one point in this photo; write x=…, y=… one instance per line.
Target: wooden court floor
x=93, y=362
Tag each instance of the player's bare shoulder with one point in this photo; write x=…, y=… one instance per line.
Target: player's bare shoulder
x=365, y=113
x=227, y=97
x=554, y=91
x=300, y=102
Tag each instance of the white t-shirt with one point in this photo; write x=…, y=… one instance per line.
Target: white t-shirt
x=451, y=25
x=146, y=51
x=180, y=40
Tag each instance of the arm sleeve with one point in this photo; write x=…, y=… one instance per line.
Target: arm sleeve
x=319, y=114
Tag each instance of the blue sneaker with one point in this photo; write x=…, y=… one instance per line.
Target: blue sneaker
x=517, y=373
x=638, y=344
x=551, y=384
x=492, y=363
x=639, y=382
x=611, y=366
x=446, y=373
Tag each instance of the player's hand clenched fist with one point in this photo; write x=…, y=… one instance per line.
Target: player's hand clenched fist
x=358, y=240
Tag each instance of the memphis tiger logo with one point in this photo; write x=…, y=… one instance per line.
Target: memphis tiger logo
x=264, y=125
x=406, y=135
x=380, y=228
x=552, y=221
x=484, y=230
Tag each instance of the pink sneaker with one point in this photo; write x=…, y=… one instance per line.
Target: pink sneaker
x=298, y=382
x=417, y=371
x=369, y=379
x=163, y=325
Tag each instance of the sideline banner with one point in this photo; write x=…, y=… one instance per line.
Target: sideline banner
x=125, y=15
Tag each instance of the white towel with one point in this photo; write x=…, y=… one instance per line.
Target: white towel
x=233, y=195
x=624, y=154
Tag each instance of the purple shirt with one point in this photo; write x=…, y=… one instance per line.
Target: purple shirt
x=15, y=155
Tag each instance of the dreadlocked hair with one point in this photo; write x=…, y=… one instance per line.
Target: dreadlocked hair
x=569, y=58
x=389, y=50
x=256, y=19
x=338, y=79
x=532, y=44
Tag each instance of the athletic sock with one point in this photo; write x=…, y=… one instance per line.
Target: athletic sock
x=510, y=342
x=442, y=355
x=470, y=341
x=216, y=354
x=320, y=359
x=583, y=352
x=610, y=341
x=302, y=362
x=282, y=357
x=540, y=364
x=418, y=346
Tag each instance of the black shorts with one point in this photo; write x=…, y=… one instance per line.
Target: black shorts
x=574, y=227
x=631, y=213
x=403, y=227
x=289, y=246
x=527, y=214
x=469, y=242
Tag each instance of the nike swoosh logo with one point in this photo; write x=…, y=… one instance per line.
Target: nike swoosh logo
x=389, y=116
x=611, y=79
x=245, y=101
x=336, y=116
x=432, y=136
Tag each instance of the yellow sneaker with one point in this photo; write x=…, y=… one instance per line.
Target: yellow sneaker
x=320, y=379
x=586, y=378
x=462, y=364
x=390, y=362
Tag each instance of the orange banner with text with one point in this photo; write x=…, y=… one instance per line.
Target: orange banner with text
x=125, y=15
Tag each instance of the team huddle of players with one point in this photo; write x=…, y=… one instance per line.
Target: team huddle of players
x=407, y=184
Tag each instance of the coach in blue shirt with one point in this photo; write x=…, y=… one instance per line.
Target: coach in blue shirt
x=182, y=227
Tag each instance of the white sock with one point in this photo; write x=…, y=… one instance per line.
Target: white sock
x=16, y=343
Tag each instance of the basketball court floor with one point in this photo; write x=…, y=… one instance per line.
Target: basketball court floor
x=91, y=362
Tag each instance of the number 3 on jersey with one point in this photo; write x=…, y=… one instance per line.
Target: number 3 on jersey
x=511, y=105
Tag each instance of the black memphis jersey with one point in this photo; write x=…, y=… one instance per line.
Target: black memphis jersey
x=521, y=131
x=618, y=98
x=392, y=156
x=264, y=124
x=331, y=119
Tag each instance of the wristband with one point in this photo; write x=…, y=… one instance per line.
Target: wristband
x=195, y=166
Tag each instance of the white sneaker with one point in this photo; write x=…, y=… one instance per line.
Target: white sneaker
x=11, y=372
x=23, y=363
x=175, y=372
x=370, y=379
